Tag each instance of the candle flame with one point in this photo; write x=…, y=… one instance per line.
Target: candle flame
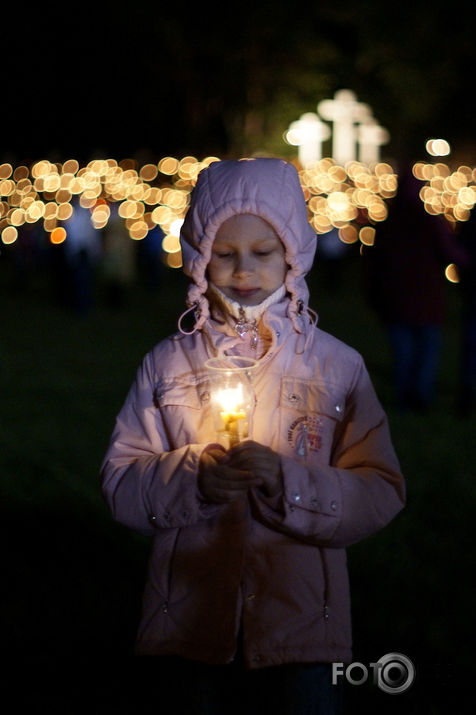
x=231, y=398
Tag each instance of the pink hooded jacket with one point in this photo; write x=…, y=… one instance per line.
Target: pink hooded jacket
x=276, y=566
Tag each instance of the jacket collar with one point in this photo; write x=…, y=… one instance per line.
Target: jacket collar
x=223, y=337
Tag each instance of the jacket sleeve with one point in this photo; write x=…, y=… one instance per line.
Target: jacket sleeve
x=146, y=483
x=357, y=494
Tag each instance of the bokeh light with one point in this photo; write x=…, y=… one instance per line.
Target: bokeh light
x=351, y=199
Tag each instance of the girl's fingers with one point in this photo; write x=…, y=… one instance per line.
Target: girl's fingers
x=238, y=484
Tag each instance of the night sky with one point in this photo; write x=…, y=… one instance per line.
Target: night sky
x=150, y=79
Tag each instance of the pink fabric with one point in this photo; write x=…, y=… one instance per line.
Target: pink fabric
x=277, y=566
x=268, y=188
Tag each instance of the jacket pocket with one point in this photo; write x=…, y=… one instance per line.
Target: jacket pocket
x=310, y=412
x=184, y=408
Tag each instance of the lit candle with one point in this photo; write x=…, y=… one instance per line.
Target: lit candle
x=232, y=397
x=233, y=414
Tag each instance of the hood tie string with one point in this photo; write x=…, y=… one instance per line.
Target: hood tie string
x=306, y=335
x=195, y=309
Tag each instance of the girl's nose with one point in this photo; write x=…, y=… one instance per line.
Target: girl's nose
x=243, y=265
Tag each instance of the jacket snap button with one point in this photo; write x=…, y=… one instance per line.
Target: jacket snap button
x=296, y=497
x=333, y=506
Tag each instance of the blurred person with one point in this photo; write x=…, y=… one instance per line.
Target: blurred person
x=118, y=259
x=406, y=287
x=467, y=273
x=82, y=254
x=247, y=600
x=150, y=254
x=331, y=253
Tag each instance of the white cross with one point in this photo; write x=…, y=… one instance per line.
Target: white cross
x=308, y=133
x=344, y=111
x=371, y=136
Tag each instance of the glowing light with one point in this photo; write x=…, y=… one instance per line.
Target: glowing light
x=17, y=217
x=35, y=211
x=467, y=196
x=367, y=235
x=88, y=199
x=21, y=172
x=153, y=196
x=127, y=209
x=100, y=215
x=175, y=226
x=438, y=147
x=58, y=235
x=148, y=172
x=308, y=133
x=451, y=273
x=9, y=235
x=174, y=260
x=138, y=230
x=348, y=234
x=350, y=198
x=168, y=165
x=70, y=167
x=170, y=243
x=344, y=111
x=65, y=211
x=7, y=187
x=451, y=193
x=52, y=183
x=209, y=160
x=6, y=171
x=63, y=196
x=49, y=224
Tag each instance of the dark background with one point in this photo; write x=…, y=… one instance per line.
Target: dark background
x=147, y=80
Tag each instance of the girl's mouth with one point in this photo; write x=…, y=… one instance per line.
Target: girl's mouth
x=245, y=292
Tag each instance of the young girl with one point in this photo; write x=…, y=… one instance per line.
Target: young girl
x=247, y=580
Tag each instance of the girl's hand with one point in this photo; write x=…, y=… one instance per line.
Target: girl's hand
x=261, y=461
x=219, y=481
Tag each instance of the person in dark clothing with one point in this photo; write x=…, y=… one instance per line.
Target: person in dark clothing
x=467, y=384
x=406, y=287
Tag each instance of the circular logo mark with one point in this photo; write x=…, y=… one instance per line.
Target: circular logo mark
x=395, y=673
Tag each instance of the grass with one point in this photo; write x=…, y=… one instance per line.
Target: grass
x=74, y=578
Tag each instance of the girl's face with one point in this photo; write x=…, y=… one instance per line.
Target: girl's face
x=247, y=262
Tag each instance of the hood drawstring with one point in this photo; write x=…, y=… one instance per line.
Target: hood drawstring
x=307, y=333
x=196, y=312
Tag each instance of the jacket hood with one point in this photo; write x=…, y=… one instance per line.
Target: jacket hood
x=268, y=188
